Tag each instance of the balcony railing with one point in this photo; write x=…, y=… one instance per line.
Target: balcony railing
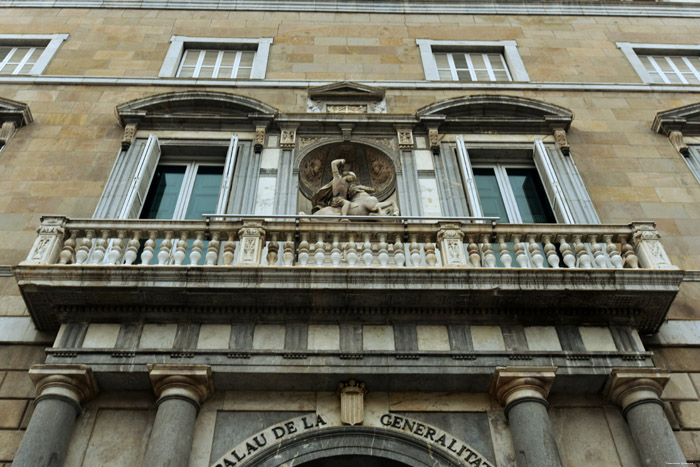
x=296, y=241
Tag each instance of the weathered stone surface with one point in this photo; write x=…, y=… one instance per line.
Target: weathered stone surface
x=679, y=387
x=11, y=412
x=622, y=438
x=214, y=336
x=158, y=336
x=376, y=337
x=677, y=359
x=101, y=335
x=203, y=438
x=542, y=338
x=688, y=414
x=17, y=384
x=324, y=337
x=487, y=338
x=432, y=338
x=439, y=402
x=269, y=336
x=270, y=401
x=9, y=442
x=690, y=444
x=502, y=439
x=597, y=339
x=583, y=436
x=115, y=429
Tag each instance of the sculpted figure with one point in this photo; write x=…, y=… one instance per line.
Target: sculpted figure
x=343, y=196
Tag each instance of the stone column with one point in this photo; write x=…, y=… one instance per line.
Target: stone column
x=60, y=391
x=180, y=390
x=637, y=391
x=523, y=391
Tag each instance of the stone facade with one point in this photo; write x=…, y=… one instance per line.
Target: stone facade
x=462, y=360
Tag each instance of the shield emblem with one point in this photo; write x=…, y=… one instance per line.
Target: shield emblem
x=352, y=402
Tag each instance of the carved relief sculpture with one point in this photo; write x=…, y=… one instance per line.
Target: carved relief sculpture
x=352, y=402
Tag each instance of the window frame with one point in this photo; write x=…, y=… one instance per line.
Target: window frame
x=50, y=43
x=508, y=50
x=178, y=45
x=634, y=53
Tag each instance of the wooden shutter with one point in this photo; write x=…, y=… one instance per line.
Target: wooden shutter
x=227, y=178
x=580, y=204
x=465, y=167
x=551, y=184
x=138, y=190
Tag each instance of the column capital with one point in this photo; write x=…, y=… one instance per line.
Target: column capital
x=191, y=382
x=75, y=383
x=510, y=384
x=627, y=387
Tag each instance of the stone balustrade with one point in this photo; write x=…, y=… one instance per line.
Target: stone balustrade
x=296, y=241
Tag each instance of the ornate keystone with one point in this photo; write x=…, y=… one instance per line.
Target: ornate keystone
x=252, y=241
x=648, y=248
x=628, y=387
x=346, y=130
x=352, y=402
x=560, y=138
x=451, y=239
x=288, y=138
x=72, y=382
x=511, y=385
x=129, y=134
x=192, y=382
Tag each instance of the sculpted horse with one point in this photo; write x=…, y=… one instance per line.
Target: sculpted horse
x=362, y=204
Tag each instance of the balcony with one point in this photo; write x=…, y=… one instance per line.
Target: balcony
x=369, y=270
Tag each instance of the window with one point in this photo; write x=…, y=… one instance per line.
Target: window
x=201, y=57
x=664, y=64
x=27, y=54
x=468, y=61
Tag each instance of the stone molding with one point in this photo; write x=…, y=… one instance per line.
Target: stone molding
x=191, y=382
x=628, y=387
x=512, y=384
x=73, y=382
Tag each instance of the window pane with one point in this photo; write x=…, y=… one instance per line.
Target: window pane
x=530, y=196
x=164, y=192
x=247, y=58
x=490, y=195
x=445, y=75
x=243, y=72
x=205, y=192
x=441, y=60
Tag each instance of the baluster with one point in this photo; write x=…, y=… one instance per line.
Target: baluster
x=630, y=259
x=399, y=253
x=613, y=254
x=229, y=250
x=487, y=251
x=180, y=249
x=66, y=255
x=336, y=254
x=149, y=248
x=212, y=250
x=504, y=251
x=166, y=246
x=598, y=253
x=84, y=249
x=551, y=251
x=117, y=248
x=319, y=253
x=429, y=247
x=473, y=253
x=304, y=249
x=132, y=248
x=272, y=250
x=414, y=249
x=98, y=253
x=520, y=255
x=351, y=250
x=383, y=255
x=584, y=260
x=535, y=252
x=288, y=252
x=566, y=252
x=197, y=246
x=367, y=250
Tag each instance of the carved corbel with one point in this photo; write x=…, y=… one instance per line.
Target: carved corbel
x=288, y=138
x=7, y=132
x=676, y=138
x=129, y=134
x=346, y=130
x=560, y=138
x=352, y=402
x=405, y=136
x=434, y=140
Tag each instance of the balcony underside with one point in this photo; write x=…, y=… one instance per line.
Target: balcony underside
x=639, y=298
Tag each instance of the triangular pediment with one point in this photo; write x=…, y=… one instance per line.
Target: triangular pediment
x=498, y=113
x=346, y=90
x=203, y=109
x=685, y=119
x=13, y=111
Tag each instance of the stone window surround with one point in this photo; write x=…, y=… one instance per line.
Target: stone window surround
x=50, y=43
x=509, y=49
x=178, y=44
x=631, y=51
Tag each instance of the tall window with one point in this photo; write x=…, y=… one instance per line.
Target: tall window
x=27, y=54
x=18, y=60
x=458, y=66
x=203, y=63
x=670, y=69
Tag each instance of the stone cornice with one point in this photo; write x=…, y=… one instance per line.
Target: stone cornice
x=74, y=382
x=549, y=8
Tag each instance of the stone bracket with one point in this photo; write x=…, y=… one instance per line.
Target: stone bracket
x=129, y=135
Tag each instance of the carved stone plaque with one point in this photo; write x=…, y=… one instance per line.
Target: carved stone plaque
x=352, y=402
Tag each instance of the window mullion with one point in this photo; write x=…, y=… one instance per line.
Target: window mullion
x=453, y=68
x=7, y=59
x=236, y=64
x=182, y=62
x=24, y=60
x=678, y=72
x=505, y=67
x=658, y=69
x=186, y=191
x=470, y=66
x=217, y=65
x=691, y=67
x=489, y=68
x=507, y=193
x=198, y=65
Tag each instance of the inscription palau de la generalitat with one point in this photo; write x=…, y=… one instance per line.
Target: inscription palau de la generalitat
x=270, y=437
